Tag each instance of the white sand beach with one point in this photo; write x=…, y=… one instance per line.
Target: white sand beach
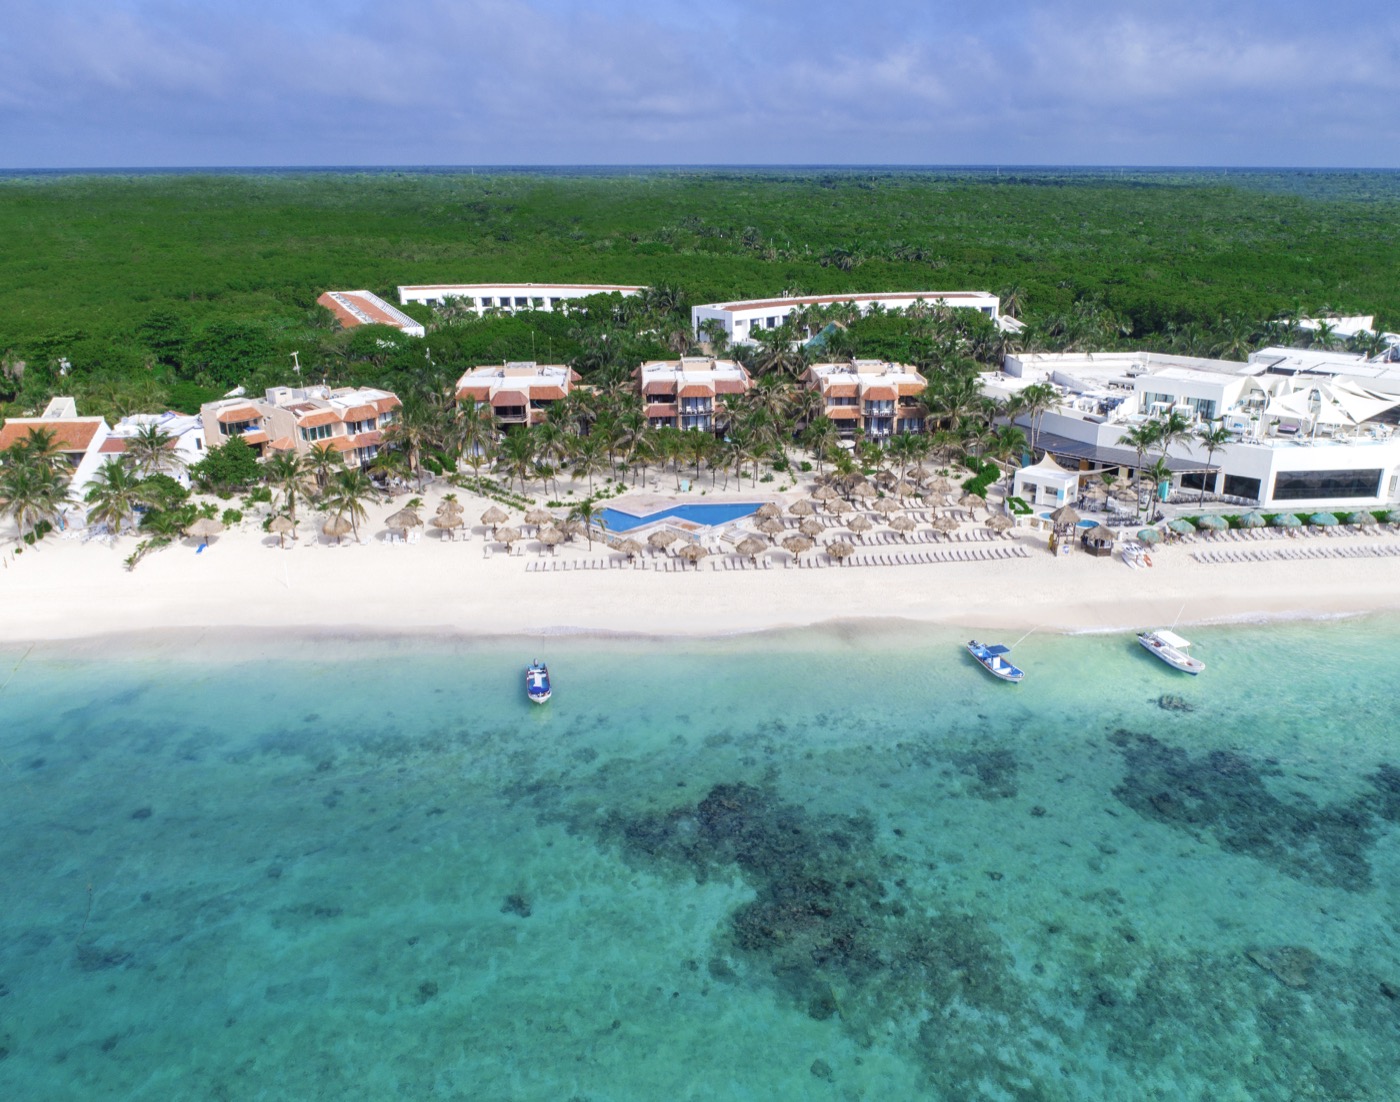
x=69, y=589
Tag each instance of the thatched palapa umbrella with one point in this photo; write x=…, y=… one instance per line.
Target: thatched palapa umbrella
x=1064, y=517
x=507, y=536
x=905, y=489
x=811, y=527
x=863, y=489
x=946, y=525
x=797, y=545
x=839, y=506
x=403, y=520
x=752, y=547
x=803, y=508
x=825, y=494
x=903, y=524
x=860, y=523
x=693, y=552
x=205, y=528
x=768, y=510
x=447, y=520
x=281, y=526
x=549, y=536
x=336, y=527
x=494, y=517
x=999, y=523
x=840, y=550
x=662, y=539
x=629, y=547
x=771, y=527
x=940, y=485
x=885, y=506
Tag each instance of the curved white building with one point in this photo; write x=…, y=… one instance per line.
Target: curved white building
x=743, y=318
x=508, y=296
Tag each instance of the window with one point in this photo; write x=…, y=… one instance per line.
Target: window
x=236, y=428
x=487, y=303
x=1299, y=485
x=522, y=302
x=316, y=432
x=1236, y=485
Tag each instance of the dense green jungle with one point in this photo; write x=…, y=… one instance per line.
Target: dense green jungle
x=148, y=291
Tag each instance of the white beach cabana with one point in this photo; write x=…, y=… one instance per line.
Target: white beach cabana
x=1046, y=483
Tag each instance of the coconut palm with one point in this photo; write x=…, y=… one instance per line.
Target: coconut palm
x=346, y=496
x=291, y=476
x=417, y=425
x=586, y=454
x=31, y=489
x=1212, y=439
x=1141, y=439
x=152, y=451
x=113, y=494
x=1035, y=401
x=322, y=461
x=473, y=433
x=587, y=515
x=517, y=456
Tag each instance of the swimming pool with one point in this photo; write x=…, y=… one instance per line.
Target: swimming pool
x=618, y=521
x=1081, y=524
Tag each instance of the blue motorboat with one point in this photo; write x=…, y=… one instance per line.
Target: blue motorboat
x=537, y=682
x=992, y=658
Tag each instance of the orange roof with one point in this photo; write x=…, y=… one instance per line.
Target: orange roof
x=113, y=445
x=911, y=389
x=69, y=435
x=661, y=409
x=341, y=443
x=257, y=436
x=368, y=439
x=840, y=390
x=843, y=413
x=239, y=413
x=479, y=391
x=508, y=398
x=697, y=390
x=320, y=417
x=360, y=413
x=547, y=393
x=384, y=405
x=283, y=444
x=730, y=386
x=663, y=386
x=880, y=394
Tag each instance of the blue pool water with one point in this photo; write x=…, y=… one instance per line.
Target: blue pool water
x=1081, y=524
x=618, y=521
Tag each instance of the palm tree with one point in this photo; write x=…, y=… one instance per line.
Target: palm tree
x=290, y=475
x=474, y=433
x=31, y=489
x=417, y=425
x=586, y=454
x=1012, y=300
x=1007, y=441
x=587, y=514
x=322, y=461
x=113, y=494
x=1212, y=439
x=821, y=439
x=1171, y=430
x=1141, y=439
x=152, y=451
x=517, y=456
x=1035, y=400
x=347, y=494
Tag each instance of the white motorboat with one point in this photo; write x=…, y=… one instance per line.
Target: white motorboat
x=537, y=682
x=1171, y=649
x=992, y=658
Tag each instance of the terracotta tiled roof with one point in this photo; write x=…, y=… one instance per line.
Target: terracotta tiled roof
x=660, y=387
x=113, y=445
x=697, y=390
x=508, y=398
x=843, y=413
x=479, y=391
x=283, y=444
x=384, y=405
x=730, y=386
x=661, y=409
x=911, y=389
x=239, y=413
x=320, y=417
x=368, y=439
x=360, y=413
x=841, y=390
x=69, y=435
x=880, y=394
x=257, y=436
x=547, y=393
x=342, y=443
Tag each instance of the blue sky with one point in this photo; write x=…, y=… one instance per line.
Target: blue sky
x=308, y=82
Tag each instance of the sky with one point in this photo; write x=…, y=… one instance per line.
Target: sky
x=156, y=83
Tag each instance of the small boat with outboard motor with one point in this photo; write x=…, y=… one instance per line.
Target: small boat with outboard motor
x=992, y=658
x=1170, y=648
x=537, y=682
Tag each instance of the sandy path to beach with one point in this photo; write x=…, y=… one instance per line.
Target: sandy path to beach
x=68, y=589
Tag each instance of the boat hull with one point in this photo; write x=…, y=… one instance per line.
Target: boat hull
x=994, y=664
x=537, y=683
x=1170, y=655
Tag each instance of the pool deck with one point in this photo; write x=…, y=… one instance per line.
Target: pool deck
x=645, y=504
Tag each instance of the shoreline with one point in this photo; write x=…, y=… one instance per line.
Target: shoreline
x=245, y=586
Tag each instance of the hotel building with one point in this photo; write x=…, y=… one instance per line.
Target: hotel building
x=519, y=393
x=80, y=440
x=743, y=319
x=689, y=393
x=509, y=297
x=351, y=420
x=869, y=399
x=1307, y=432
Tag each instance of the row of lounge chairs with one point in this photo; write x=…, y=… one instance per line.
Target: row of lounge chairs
x=811, y=561
x=1281, y=554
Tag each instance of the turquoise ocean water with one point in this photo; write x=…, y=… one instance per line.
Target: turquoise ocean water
x=840, y=863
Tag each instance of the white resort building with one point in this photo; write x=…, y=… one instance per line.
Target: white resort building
x=352, y=308
x=690, y=392
x=869, y=399
x=351, y=420
x=518, y=393
x=1303, y=435
x=508, y=297
x=742, y=319
x=80, y=440
x=185, y=431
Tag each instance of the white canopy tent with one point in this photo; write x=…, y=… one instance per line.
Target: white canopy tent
x=1046, y=483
